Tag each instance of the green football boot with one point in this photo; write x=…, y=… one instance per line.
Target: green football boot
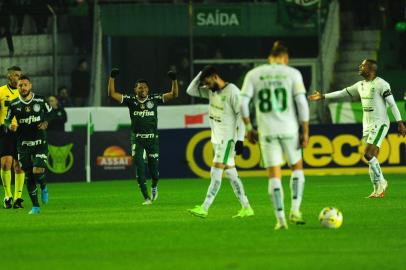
x=245, y=212
x=198, y=211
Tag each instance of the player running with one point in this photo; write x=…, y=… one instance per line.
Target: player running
x=275, y=89
x=32, y=114
x=8, y=143
x=227, y=136
x=144, y=128
x=375, y=93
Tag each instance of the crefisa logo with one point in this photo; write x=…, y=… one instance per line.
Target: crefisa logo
x=114, y=158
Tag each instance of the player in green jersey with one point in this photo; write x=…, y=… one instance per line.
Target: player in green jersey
x=32, y=114
x=144, y=128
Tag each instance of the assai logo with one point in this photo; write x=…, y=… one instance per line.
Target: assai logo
x=60, y=158
x=218, y=17
x=114, y=158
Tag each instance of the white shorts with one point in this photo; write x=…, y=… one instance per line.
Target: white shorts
x=276, y=149
x=224, y=152
x=375, y=133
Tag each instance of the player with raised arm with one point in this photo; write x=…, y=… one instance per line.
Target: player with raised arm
x=8, y=143
x=227, y=136
x=32, y=114
x=144, y=128
x=275, y=89
x=375, y=96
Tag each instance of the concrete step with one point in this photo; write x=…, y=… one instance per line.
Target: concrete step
x=37, y=45
x=40, y=65
x=362, y=35
x=354, y=56
x=360, y=46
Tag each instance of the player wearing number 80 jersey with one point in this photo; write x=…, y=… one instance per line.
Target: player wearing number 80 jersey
x=275, y=88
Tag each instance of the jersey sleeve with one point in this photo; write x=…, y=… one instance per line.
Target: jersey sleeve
x=385, y=90
x=298, y=85
x=9, y=116
x=158, y=98
x=126, y=99
x=352, y=90
x=194, y=89
x=247, y=89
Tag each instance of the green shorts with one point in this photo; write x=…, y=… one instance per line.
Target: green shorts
x=34, y=156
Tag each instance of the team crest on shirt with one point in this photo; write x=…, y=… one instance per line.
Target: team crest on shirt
x=150, y=105
x=28, y=109
x=142, y=106
x=36, y=108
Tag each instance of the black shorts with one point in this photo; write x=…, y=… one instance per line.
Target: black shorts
x=8, y=143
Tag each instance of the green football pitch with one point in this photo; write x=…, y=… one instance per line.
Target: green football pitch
x=103, y=225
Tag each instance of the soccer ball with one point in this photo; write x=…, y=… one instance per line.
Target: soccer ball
x=331, y=217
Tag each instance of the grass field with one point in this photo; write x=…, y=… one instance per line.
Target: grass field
x=103, y=226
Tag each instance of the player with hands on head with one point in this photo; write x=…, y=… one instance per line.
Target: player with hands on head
x=227, y=136
x=144, y=127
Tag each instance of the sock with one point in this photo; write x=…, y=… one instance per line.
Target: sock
x=297, y=181
x=275, y=191
x=40, y=179
x=6, y=178
x=374, y=179
x=154, y=183
x=237, y=186
x=376, y=168
x=214, y=187
x=32, y=188
x=143, y=187
x=19, y=184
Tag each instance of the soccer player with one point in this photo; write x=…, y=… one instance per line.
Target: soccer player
x=8, y=143
x=144, y=128
x=275, y=89
x=227, y=136
x=31, y=112
x=375, y=95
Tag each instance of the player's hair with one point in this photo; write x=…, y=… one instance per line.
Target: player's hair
x=24, y=77
x=208, y=71
x=141, y=81
x=14, y=68
x=278, y=49
x=373, y=63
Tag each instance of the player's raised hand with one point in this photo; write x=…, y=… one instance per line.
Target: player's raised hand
x=316, y=96
x=252, y=136
x=239, y=146
x=172, y=75
x=43, y=125
x=401, y=128
x=114, y=72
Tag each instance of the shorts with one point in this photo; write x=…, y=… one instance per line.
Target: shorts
x=34, y=156
x=275, y=149
x=375, y=133
x=224, y=152
x=8, y=143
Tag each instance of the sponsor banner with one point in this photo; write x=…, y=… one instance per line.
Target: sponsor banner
x=66, y=153
x=111, y=155
x=169, y=117
x=333, y=149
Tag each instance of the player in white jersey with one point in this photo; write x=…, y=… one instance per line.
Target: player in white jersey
x=227, y=136
x=275, y=89
x=375, y=95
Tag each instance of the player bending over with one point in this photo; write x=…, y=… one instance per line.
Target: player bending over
x=227, y=136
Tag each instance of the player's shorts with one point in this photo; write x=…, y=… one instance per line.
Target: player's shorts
x=145, y=148
x=375, y=133
x=8, y=143
x=34, y=156
x=224, y=152
x=275, y=149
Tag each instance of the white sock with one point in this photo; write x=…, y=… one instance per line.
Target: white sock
x=374, y=179
x=237, y=186
x=376, y=168
x=275, y=191
x=297, y=181
x=214, y=187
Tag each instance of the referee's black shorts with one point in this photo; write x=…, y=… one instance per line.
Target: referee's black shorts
x=8, y=143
